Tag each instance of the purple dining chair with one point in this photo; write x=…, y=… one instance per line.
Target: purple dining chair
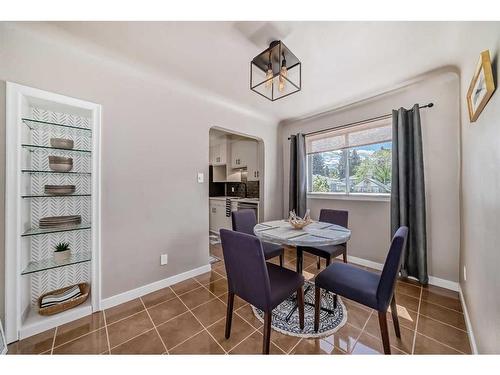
x=262, y=284
x=244, y=221
x=329, y=252
x=368, y=288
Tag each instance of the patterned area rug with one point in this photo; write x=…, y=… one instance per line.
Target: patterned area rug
x=328, y=322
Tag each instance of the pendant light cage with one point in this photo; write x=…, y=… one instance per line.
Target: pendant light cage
x=276, y=72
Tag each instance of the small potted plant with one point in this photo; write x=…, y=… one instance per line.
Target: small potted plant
x=62, y=252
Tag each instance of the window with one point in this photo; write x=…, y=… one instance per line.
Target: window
x=349, y=161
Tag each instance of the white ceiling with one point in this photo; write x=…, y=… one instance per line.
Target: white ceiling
x=341, y=61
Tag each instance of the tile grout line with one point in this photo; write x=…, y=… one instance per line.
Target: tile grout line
x=133, y=337
x=446, y=324
x=106, y=327
x=190, y=337
x=439, y=342
x=54, y=340
x=206, y=330
x=363, y=330
x=416, y=323
x=154, y=326
x=444, y=307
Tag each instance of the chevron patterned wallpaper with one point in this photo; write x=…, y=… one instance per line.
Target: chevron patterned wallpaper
x=41, y=246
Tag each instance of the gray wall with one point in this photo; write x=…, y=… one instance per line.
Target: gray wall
x=2, y=199
x=481, y=196
x=155, y=137
x=370, y=221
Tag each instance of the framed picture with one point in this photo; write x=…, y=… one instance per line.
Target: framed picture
x=481, y=87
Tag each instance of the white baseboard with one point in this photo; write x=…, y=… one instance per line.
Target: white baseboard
x=468, y=324
x=149, y=288
x=447, y=284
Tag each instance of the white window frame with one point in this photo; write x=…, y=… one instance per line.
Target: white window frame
x=347, y=195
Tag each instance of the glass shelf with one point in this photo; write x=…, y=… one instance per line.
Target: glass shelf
x=33, y=124
x=70, y=172
x=54, y=195
x=37, y=231
x=35, y=147
x=50, y=263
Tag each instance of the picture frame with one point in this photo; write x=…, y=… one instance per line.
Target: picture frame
x=481, y=87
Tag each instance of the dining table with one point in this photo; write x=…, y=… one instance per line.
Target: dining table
x=316, y=234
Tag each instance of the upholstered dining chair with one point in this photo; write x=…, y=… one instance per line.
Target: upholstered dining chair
x=262, y=284
x=368, y=288
x=244, y=221
x=339, y=217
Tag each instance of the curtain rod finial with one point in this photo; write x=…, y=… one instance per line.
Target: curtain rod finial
x=430, y=105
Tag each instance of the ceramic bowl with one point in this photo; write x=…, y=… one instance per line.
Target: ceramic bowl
x=62, y=143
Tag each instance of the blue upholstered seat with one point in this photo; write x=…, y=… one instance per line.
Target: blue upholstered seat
x=350, y=281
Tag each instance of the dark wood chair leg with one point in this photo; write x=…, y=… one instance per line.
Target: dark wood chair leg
x=267, y=332
x=281, y=260
x=344, y=256
x=328, y=260
x=318, y=263
x=229, y=314
x=395, y=319
x=335, y=297
x=300, y=302
x=382, y=319
x=317, y=307
x=300, y=260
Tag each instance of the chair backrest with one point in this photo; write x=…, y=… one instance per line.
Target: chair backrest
x=339, y=217
x=244, y=221
x=390, y=271
x=246, y=268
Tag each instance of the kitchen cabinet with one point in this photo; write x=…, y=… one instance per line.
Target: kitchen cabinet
x=243, y=152
x=218, y=153
x=219, y=217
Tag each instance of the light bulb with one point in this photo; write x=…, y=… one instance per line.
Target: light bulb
x=269, y=76
x=283, y=74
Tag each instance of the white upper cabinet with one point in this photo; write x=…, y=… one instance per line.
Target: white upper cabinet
x=243, y=152
x=218, y=153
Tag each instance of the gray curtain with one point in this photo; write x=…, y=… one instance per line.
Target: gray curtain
x=298, y=177
x=408, y=190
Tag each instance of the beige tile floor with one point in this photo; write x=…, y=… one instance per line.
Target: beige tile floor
x=189, y=318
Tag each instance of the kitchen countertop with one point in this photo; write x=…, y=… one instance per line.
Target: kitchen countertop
x=237, y=199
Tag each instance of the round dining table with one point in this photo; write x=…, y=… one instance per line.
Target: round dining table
x=316, y=234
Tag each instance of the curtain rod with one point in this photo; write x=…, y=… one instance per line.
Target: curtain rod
x=430, y=105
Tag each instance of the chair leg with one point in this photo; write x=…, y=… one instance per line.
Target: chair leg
x=267, y=332
x=229, y=314
x=335, y=297
x=382, y=319
x=328, y=260
x=395, y=319
x=300, y=302
x=317, y=307
x=344, y=256
x=281, y=260
x=318, y=263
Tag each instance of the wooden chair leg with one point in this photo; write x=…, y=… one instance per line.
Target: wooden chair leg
x=335, y=297
x=229, y=314
x=317, y=307
x=344, y=256
x=281, y=260
x=328, y=260
x=382, y=319
x=395, y=319
x=318, y=263
x=300, y=302
x=267, y=332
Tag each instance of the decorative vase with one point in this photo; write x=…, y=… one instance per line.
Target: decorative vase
x=62, y=256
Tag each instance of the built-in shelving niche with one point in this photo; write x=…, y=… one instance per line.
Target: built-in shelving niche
x=43, y=116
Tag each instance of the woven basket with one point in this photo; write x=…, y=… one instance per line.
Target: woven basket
x=60, y=307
